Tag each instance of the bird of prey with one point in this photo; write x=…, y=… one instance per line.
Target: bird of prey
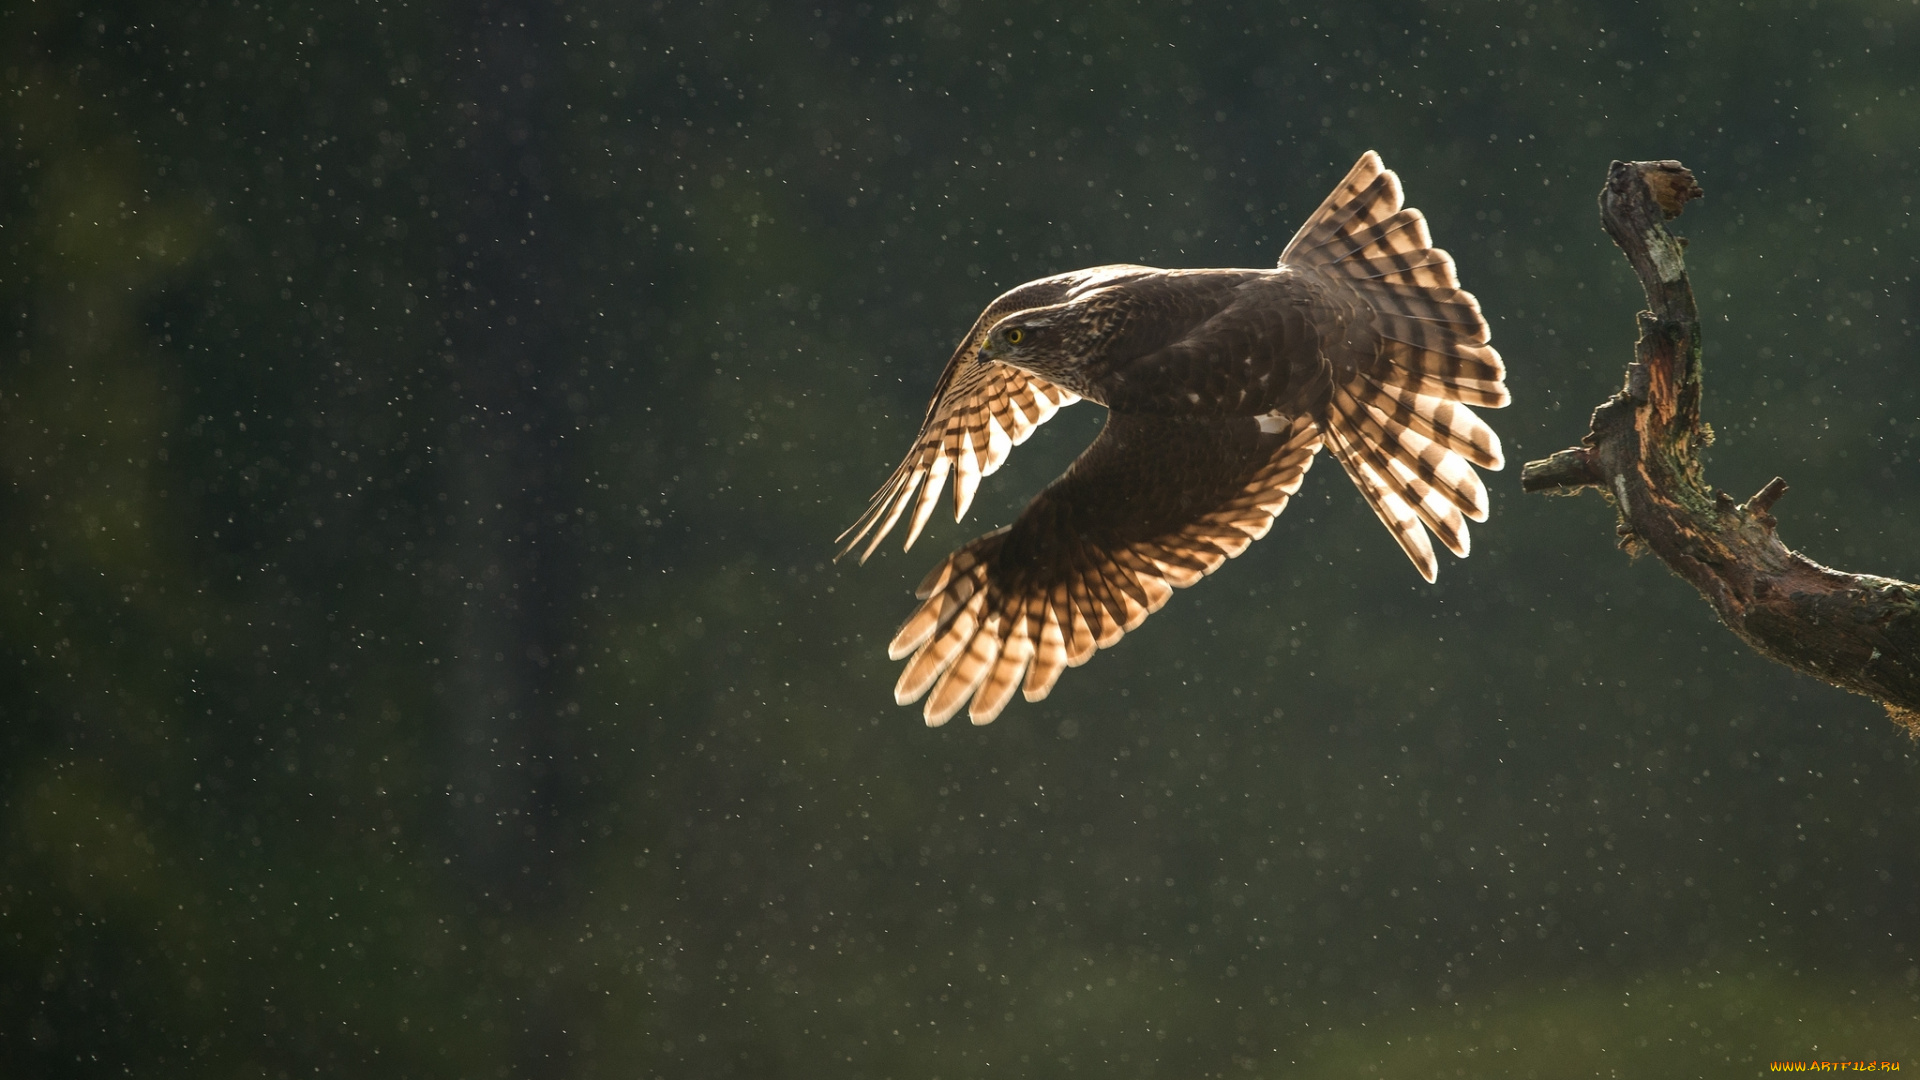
x=1220, y=387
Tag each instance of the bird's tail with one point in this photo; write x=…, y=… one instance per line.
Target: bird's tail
x=1401, y=425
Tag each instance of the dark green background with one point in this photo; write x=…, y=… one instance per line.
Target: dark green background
x=424, y=427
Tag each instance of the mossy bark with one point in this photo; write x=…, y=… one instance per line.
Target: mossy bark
x=1856, y=631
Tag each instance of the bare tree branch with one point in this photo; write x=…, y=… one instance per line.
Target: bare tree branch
x=1856, y=631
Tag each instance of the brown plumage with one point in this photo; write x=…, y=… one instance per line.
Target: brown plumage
x=1221, y=386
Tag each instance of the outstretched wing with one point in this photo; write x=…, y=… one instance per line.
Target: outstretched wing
x=1156, y=503
x=982, y=410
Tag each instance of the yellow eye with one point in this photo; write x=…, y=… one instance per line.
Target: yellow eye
x=1015, y=335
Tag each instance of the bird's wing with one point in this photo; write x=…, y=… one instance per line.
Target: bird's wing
x=981, y=411
x=1156, y=503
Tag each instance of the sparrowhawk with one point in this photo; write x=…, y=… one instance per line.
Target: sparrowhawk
x=1220, y=386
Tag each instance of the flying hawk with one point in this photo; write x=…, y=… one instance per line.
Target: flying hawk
x=1220, y=386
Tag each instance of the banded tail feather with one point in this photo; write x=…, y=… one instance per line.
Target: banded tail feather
x=1402, y=426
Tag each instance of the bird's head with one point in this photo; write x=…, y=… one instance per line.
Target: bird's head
x=1055, y=342
x=1025, y=339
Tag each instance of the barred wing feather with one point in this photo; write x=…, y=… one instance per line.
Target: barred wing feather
x=1154, y=505
x=984, y=411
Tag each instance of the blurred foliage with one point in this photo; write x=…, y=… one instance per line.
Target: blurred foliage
x=423, y=427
